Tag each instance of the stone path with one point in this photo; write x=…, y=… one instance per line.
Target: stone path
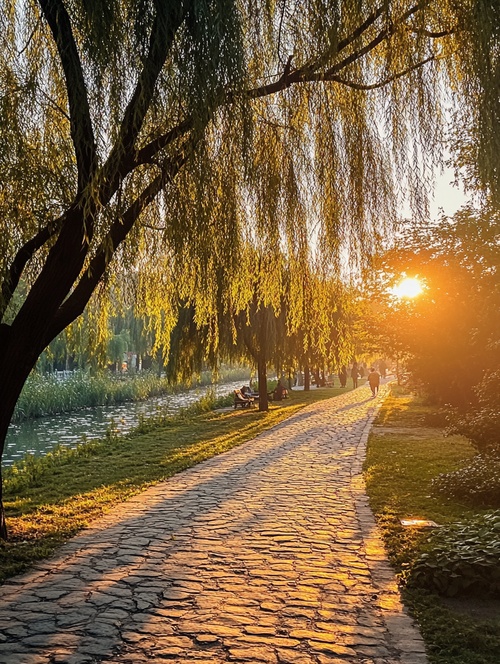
x=267, y=553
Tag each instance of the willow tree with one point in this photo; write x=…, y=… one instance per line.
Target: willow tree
x=130, y=125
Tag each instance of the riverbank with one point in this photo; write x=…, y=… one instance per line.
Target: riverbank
x=406, y=451
x=45, y=395
x=38, y=436
x=52, y=502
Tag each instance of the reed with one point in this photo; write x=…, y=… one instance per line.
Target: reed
x=49, y=395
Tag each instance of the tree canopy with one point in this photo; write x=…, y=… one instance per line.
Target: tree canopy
x=449, y=333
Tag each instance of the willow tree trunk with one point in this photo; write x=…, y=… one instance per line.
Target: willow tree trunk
x=16, y=362
x=262, y=378
x=307, y=379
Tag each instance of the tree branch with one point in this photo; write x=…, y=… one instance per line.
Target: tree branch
x=146, y=153
x=21, y=259
x=169, y=17
x=380, y=84
x=308, y=73
x=382, y=36
x=344, y=43
x=74, y=305
x=434, y=35
x=82, y=132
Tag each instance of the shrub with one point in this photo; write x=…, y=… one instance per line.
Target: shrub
x=461, y=558
x=478, y=483
x=481, y=425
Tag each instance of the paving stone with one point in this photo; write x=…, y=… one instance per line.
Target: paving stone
x=206, y=639
x=253, y=654
x=25, y=658
x=273, y=642
x=332, y=649
x=164, y=653
x=247, y=557
x=260, y=629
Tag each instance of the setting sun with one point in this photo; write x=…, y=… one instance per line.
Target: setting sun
x=408, y=287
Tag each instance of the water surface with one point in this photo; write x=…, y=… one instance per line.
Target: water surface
x=40, y=435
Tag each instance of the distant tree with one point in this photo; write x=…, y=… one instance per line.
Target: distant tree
x=118, y=345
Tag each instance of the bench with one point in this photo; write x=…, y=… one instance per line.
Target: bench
x=241, y=400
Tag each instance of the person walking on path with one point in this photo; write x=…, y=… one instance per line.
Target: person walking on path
x=266, y=553
x=374, y=381
x=354, y=375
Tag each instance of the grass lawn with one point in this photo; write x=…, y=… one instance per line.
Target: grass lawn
x=57, y=496
x=405, y=451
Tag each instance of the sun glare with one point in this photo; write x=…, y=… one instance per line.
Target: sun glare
x=408, y=287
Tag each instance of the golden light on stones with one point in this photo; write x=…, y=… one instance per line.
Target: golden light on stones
x=408, y=287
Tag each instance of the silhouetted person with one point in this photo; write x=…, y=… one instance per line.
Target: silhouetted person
x=343, y=376
x=374, y=381
x=354, y=374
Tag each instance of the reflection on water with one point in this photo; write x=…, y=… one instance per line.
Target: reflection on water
x=40, y=435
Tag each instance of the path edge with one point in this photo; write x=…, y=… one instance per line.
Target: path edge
x=404, y=632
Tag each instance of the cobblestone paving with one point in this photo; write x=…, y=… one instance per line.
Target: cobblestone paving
x=267, y=553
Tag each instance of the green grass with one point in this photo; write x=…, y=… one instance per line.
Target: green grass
x=52, y=498
x=404, y=454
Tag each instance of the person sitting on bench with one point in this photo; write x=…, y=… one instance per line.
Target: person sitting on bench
x=280, y=392
x=242, y=400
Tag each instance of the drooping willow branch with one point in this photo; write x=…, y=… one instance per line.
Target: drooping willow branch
x=168, y=19
x=123, y=159
x=82, y=132
x=380, y=84
x=21, y=259
x=76, y=302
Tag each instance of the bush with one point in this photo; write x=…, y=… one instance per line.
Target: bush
x=478, y=483
x=461, y=558
x=481, y=425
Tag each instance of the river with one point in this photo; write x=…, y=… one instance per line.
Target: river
x=40, y=435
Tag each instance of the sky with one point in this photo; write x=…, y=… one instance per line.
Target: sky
x=446, y=196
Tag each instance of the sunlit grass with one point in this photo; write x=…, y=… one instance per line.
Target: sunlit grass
x=64, y=493
x=403, y=456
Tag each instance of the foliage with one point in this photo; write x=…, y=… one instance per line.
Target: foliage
x=400, y=466
x=224, y=374
x=455, y=636
x=448, y=335
x=189, y=131
x=481, y=424
x=460, y=558
x=28, y=471
x=49, y=395
x=473, y=142
x=148, y=143
x=402, y=461
x=477, y=483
